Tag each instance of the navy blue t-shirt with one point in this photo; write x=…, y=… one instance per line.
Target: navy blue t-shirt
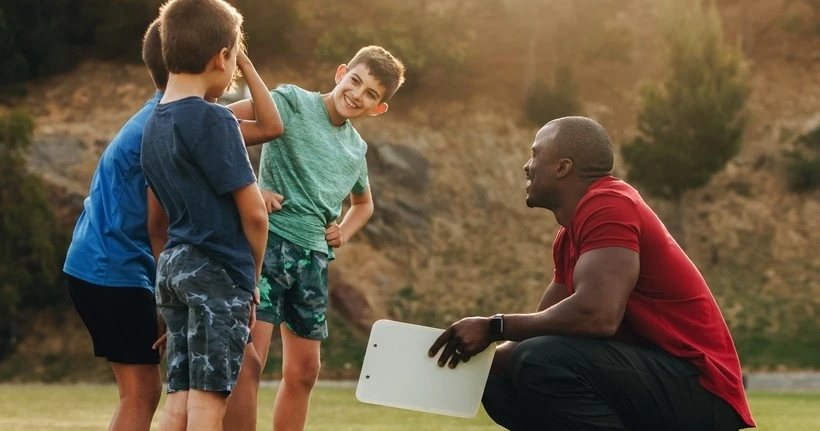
x=193, y=157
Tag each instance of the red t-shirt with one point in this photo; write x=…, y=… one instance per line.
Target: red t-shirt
x=671, y=306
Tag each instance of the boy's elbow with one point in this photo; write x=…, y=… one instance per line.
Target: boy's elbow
x=273, y=131
x=259, y=219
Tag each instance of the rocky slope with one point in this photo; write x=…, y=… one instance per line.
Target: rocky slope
x=451, y=234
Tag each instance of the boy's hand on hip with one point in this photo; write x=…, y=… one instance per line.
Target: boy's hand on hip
x=334, y=235
x=252, y=320
x=162, y=334
x=273, y=200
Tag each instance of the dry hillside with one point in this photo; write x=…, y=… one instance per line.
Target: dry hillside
x=452, y=235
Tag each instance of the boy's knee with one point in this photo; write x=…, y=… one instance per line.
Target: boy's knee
x=252, y=367
x=304, y=374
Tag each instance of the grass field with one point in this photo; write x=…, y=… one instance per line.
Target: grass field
x=89, y=407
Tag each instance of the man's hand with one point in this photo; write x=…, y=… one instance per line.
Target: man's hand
x=273, y=200
x=162, y=335
x=462, y=340
x=334, y=235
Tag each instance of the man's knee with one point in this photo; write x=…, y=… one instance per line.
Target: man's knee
x=496, y=394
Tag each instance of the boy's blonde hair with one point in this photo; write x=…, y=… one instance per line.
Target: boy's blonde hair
x=152, y=55
x=388, y=69
x=194, y=30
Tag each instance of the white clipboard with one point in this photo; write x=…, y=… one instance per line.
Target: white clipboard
x=398, y=373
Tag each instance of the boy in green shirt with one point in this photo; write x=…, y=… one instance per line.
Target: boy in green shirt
x=317, y=163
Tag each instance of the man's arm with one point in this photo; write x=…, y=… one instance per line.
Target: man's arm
x=157, y=224
x=603, y=280
x=261, y=122
x=554, y=294
x=361, y=209
x=254, y=218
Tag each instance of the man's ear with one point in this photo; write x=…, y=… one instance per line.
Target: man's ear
x=220, y=60
x=564, y=168
x=341, y=71
x=380, y=109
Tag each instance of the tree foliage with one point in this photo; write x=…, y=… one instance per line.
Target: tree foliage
x=804, y=163
x=546, y=102
x=691, y=124
x=31, y=247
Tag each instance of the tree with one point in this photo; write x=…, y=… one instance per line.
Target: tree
x=31, y=246
x=690, y=125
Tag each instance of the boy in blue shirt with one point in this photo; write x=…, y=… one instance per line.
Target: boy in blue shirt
x=109, y=267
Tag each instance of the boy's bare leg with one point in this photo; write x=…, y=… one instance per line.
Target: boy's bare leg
x=206, y=410
x=140, y=388
x=175, y=414
x=262, y=333
x=300, y=369
x=240, y=413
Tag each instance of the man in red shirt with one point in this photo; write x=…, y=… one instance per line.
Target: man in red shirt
x=627, y=336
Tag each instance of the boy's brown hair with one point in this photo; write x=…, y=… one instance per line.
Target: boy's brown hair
x=194, y=30
x=383, y=66
x=152, y=55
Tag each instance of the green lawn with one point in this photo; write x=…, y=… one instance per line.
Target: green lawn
x=89, y=407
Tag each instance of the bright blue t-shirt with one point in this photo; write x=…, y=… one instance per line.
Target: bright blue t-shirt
x=110, y=246
x=193, y=157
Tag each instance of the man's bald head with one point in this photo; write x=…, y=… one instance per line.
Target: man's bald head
x=583, y=141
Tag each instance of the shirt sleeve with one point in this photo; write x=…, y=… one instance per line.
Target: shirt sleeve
x=607, y=220
x=221, y=154
x=362, y=182
x=286, y=102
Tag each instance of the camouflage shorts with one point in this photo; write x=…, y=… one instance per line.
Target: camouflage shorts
x=293, y=288
x=207, y=316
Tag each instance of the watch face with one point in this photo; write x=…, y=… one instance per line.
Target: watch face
x=496, y=325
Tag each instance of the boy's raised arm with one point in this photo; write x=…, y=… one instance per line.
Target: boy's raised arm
x=261, y=122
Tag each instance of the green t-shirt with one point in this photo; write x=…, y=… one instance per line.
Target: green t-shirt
x=314, y=165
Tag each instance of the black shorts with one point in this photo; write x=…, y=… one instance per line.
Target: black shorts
x=122, y=321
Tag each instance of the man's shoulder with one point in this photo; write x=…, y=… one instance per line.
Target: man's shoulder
x=613, y=191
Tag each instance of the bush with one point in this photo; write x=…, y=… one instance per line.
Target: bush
x=268, y=26
x=548, y=102
x=692, y=124
x=30, y=252
x=804, y=163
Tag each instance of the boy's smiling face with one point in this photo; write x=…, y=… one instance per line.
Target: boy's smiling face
x=358, y=93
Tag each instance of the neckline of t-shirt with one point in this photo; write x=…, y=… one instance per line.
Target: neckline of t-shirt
x=184, y=99
x=336, y=128
x=590, y=191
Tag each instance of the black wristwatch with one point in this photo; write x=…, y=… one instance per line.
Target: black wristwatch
x=497, y=327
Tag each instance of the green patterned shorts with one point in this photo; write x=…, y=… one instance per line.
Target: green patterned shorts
x=293, y=288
